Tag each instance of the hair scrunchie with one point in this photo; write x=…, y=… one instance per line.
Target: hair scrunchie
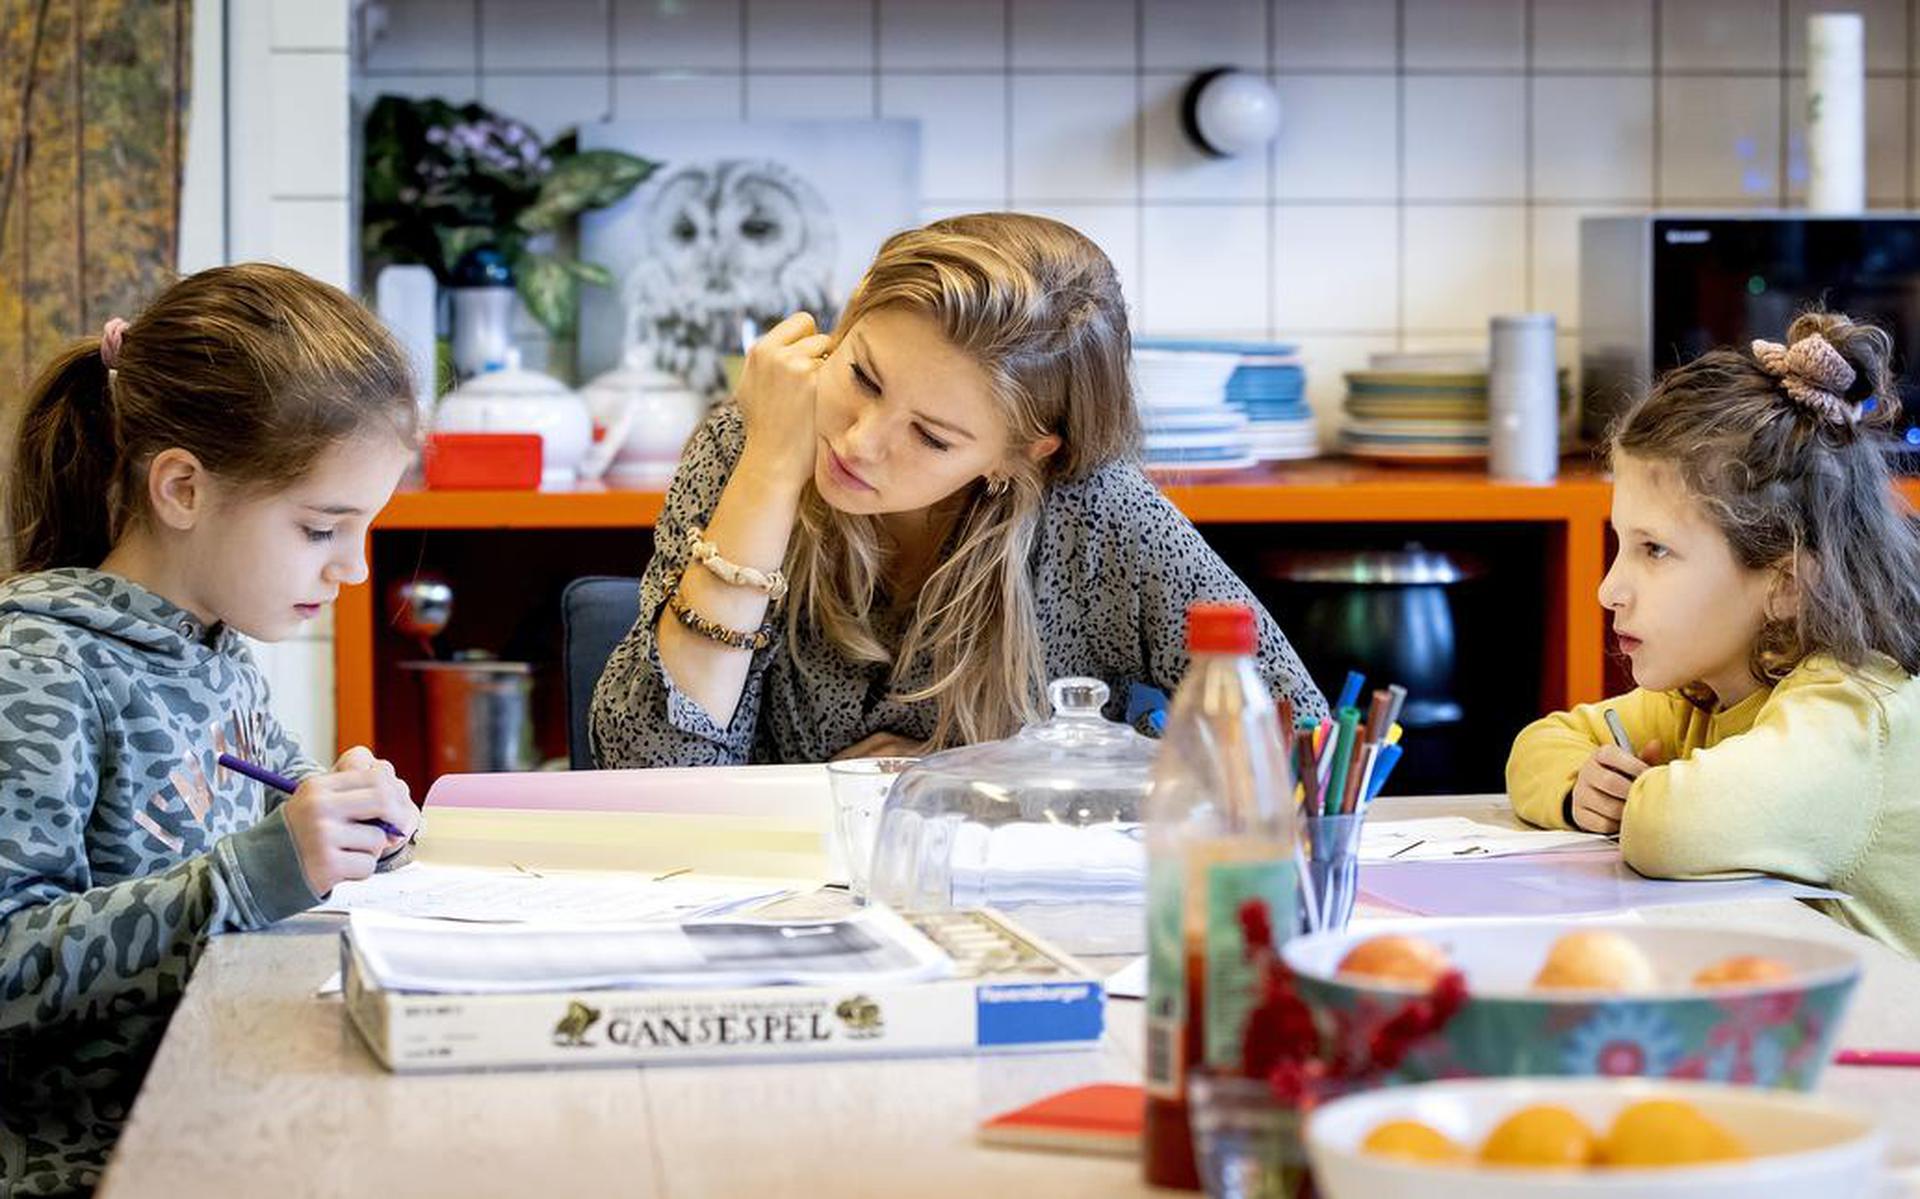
x=1814, y=376
x=111, y=335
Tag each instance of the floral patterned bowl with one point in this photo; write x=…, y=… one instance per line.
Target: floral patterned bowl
x=1768, y=1035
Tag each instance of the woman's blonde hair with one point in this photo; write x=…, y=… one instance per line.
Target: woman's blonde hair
x=1038, y=307
x=1787, y=451
x=252, y=368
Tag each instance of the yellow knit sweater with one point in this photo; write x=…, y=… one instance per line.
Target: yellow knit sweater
x=1817, y=779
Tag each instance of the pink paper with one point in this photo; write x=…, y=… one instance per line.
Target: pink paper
x=798, y=793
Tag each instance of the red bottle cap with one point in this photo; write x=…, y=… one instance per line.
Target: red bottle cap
x=1221, y=629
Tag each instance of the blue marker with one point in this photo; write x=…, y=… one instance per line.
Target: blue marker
x=280, y=782
x=1350, y=692
x=1382, y=767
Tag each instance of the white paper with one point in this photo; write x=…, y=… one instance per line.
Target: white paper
x=1560, y=884
x=1129, y=981
x=867, y=949
x=1451, y=838
x=426, y=890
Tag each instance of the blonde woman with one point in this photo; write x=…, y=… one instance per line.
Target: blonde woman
x=896, y=534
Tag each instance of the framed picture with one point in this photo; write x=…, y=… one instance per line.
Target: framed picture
x=744, y=223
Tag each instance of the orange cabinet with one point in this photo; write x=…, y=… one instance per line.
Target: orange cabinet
x=1571, y=514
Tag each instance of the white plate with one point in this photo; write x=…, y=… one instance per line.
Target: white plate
x=1805, y=1147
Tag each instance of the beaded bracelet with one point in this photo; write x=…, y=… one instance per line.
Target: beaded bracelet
x=759, y=639
x=707, y=554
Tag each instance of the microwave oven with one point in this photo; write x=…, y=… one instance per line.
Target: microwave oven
x=1659, y=289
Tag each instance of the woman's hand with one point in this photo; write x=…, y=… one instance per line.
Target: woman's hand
x=328, y=815
x=882, y=745
x=776, y=397
x=1600, y=789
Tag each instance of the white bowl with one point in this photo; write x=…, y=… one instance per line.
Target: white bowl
x=1803, y=1145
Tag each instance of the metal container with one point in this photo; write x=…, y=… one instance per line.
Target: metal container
x=1389, y=614
x=479, y=715
x=1523, y=399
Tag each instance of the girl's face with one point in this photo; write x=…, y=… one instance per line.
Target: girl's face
x=268, y=563
x=904, y=419
x=1684, y=609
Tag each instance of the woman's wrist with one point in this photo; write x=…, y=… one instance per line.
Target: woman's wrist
x=782, y=472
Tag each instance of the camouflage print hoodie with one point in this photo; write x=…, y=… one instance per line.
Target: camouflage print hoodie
x=122, y=847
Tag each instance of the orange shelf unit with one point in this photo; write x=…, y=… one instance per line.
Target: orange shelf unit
x=1574, y=511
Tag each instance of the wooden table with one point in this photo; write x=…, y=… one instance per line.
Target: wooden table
x=261, y=1089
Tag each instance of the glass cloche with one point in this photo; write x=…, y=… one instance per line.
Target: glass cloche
x=1045, y=825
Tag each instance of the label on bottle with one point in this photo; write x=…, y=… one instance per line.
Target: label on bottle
x=1166, y=1073
x=1232, y=983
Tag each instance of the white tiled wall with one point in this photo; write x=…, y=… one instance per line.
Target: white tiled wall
x=1434, y=161
x=288, y=152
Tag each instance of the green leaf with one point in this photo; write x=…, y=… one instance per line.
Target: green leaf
x=590, y=179
x=551, y=291
x=456, y=240
x=589, y=272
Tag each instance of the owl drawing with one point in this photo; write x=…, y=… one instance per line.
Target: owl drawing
x=724, y=241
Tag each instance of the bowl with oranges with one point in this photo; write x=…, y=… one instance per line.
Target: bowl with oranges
x=1547, y=998
x=1589, y=1137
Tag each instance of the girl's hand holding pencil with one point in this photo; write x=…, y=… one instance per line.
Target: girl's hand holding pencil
x=339, y=819
x=1599, y=797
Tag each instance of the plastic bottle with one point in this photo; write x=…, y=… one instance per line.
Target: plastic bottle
x=1220, y=831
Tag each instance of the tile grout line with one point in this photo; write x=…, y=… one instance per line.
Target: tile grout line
x=1400, y=175
x=1139, y=153
x=1659, y=94
x=1784, y=168
x=1006, y=84
x=1527, y=96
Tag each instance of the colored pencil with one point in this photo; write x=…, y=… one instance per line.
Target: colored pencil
x=280, y=782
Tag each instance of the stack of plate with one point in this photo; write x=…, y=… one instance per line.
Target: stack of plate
x=1420, y=408
x=1183, y=404
x=1263, y=382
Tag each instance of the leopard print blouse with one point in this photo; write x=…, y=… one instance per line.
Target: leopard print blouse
x=1114, y=569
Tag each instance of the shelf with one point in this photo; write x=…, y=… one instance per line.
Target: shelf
x=1324, y=490
x=1573, y=511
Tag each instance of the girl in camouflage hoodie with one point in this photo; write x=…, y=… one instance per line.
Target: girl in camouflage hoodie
x=207, y=471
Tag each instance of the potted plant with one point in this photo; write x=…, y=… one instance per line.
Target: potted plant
x=476, y=196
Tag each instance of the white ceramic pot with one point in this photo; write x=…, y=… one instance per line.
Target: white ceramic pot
x=513, y=400
x=658, y=410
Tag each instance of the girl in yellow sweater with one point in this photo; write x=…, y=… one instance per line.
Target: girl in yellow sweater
x=1767, y=594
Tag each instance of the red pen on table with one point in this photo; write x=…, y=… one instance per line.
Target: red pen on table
x=1876, y=1057
x=280, y=782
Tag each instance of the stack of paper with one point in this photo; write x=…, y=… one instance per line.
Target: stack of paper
x=426, y=890
x=871, y=948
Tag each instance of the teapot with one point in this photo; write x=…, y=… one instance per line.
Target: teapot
x=509, y=399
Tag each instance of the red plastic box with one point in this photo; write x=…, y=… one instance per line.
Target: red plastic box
x=482, y=461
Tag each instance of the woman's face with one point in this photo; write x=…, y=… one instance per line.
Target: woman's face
x=904, y=419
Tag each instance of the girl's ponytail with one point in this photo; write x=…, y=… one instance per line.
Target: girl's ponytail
x=254, y=369
x=60, y=501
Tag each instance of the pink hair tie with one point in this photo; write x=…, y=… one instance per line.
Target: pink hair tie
x=1813, y=374
x=111, y=335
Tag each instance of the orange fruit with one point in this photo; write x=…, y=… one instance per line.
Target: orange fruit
x=1744, y=970
x=1596, y=960
x=1397, y=959
x=1667, y=1132
x=1414, y=1141
x=1541, y=1135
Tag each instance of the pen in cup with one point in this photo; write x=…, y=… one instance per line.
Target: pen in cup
x=280, y=782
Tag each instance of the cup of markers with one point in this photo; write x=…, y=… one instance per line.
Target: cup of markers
x=1341, y=763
